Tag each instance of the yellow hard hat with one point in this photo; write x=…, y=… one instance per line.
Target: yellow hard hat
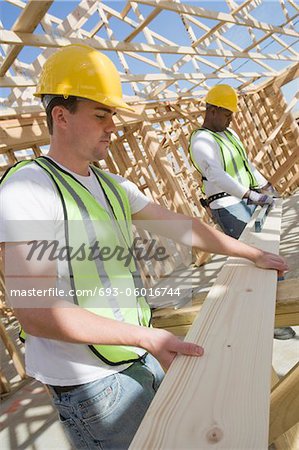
x=224, y=96
x=82, y=71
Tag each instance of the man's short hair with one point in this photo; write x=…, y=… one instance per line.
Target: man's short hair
x=209, y=106
x=69, y=103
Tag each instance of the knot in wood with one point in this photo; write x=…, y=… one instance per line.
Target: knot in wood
x=215, y=435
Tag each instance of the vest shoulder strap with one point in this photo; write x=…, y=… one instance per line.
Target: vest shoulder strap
x=11, y=170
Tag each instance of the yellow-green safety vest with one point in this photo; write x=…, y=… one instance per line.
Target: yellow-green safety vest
x=233, y=156
x=84, y=219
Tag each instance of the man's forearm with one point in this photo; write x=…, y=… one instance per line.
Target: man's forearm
x=70, y=323
x=211, y=240
x=195, y=233
x=79, y=326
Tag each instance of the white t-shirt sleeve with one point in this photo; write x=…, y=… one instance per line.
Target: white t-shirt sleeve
x=28, y=206
x=137, y=199
x=206, y=155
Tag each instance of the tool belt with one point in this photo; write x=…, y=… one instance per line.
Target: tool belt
x=217, y=197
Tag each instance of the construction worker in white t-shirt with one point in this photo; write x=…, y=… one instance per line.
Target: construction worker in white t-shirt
x=231, y=184
x=86, y=321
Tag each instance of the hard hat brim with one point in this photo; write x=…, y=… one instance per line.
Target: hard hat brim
x=117, y=103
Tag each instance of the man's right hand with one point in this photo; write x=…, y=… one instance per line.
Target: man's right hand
x=254, y=198
x=164, y=346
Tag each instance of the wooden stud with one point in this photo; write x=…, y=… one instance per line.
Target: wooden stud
x=4, y=383
x=284, y=409
x=12, y=350
x=290, y=439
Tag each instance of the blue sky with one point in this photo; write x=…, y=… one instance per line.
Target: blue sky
x=169, y=25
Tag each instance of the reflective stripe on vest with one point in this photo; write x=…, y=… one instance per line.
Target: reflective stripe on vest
x=233, y=156
x=86, y=221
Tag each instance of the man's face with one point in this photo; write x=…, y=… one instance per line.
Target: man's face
x=221, y=118
x=90, y=129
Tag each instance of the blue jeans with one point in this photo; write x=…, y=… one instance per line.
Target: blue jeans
x=105, y=414
x=233, y=219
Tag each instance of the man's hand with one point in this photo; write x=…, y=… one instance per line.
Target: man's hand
x=270, y=190
x=164, y=346
x=266, y=260
x=254, y=198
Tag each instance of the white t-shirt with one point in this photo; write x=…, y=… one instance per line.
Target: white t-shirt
x=29, y=196
x=206, y=154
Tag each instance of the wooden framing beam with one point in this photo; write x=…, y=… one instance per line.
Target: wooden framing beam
x=255, y=42
x=287, y=75
x=184, y=59
x=166, y=41
x=68, y=31
x=282, y=119
x=13, y=352
x=183, y=8
x=64, y=27
x=284, y=168
x=223, y=397
x=4, y=384
x=290, y=439
x=30, y=17
x=21, y=133
x=284, y=412
x=47, y=41
x=291, y=2
x=16, y=81
x=143, y=24
x=211, y=32
x=19, y=81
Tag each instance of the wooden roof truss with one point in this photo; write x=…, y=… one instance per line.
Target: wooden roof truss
x=153, y=65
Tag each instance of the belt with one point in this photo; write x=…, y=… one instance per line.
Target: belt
x=61, y=389
x=217, y=196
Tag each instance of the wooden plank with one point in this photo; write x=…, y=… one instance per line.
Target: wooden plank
x=223, y=397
